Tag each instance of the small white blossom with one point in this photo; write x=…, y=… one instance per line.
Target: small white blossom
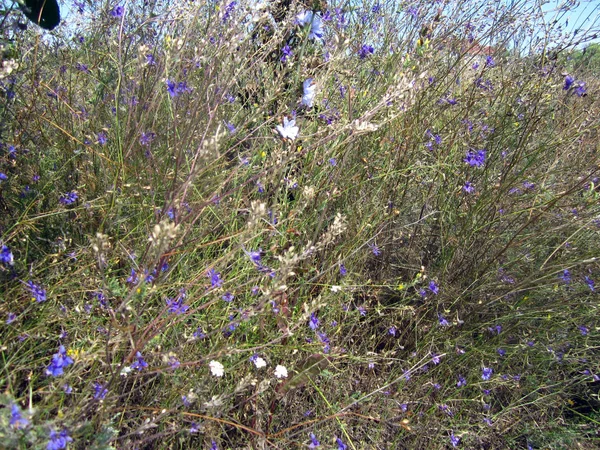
x=289, y=130
x=309, y=91
x=281, y=372
x=259, y=362
x=335, y=289
x=216, y=368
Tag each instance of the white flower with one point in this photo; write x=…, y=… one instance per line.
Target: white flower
x=309, y=91
x=281, y=372
x=335, y=289
x=216, y=368
x=289, y=130
x=259, y=362
x=315, y=22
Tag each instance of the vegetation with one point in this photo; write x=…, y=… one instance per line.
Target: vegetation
x=246, y=225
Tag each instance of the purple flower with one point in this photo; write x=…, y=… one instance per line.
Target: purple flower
x=316, y=24
x=580, y=90
x=365, y=51
x=590, y=283
x=6, y=256
x=117, y=11
x=489, y=61
x=176, y=306
x=583, y=330
x=340, y=444
x=58, y=441
x=475, y=158
x=140, y=364
x=468, y=187
x=343, y=270
x=287, y=53
x=59, y=361
x=442, y=320
x=3, y=177
x=228, y=297
x=565, y=276
x=102, y=138
x=100, y=391
x=486, y=373
x=455, y=440
x=435, y=358
x=461, y=381
x=215, y=278
x=11, y=318
x=68, y=198
x=392, y=330
x=16, y=418
x=147, y=138
x=569, y=80
x=314, y=322
x=374, y=248
x=501, y=352
x=230, y=127
x=496, y=329
x=37, y=292
x=433, y=287
x=228, y=10
x=314, y=443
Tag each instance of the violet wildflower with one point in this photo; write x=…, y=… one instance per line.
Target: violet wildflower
x=565, y=276
x=580, y=90
x=374, y=248
x=489, y=61
x=486, y=373
x=392, y=330
x=194, y=428
x=176, y=306
x=133, y=279
x=314, y=321
x=455, y=440
x=102, y=138
x=309, y=90
x=215, y=278
x=433, y=287
x=287, y=53
x=314, y=443
x=569, y=80
x=6, y=256
x=435, y=358
x=501, y=352
x=16, y=418
x=590, y=283
x=343, y=270
x=288, y=130
x=475, y=158
x=58, y=441
x=583, y=330
x=11, y=318
x=117, y=11
x=37, y=292
x=228, y=10
x=140, y=364
x=67, y=389
x=461, y=381
x=365, y=51
x=316, y=24
x=100, y=391
x=68, y=198
x=59, y=361
x=468, y=187
x=3, y=176
x=147, y=138
x=228, y=297
x=230, y=127
x=442, y=320
x=340, y=444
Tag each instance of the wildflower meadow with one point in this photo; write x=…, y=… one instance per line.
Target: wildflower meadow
x=285, y=224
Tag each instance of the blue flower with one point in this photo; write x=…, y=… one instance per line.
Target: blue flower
x=58, y=441
x=16, y=418
x=287, y=53
x=374, y=248
x=228, y=297
x=315, y=22
x=309, y=89
x=340, y=444
x=590, y=283
x=468, y=187
x=486, y=373
x=140, y=364
x=117, y=11
x=215, y=278
x=314, y=443
x=343, y=270
x=6, y=256
x=59, y=361
x=455, y=440
x=100, y=391
x=442, y=320
x=489, y=61
x=434, y=288
x=314, y=322
x=565, y=276
x=176, y=306
x=68, y=198
x=365, y=50
x=569, y=80
x=475, y=158
x=11, y=318
x=3, y=177
x=461, y=381
x=37, y=292
x=580, y=90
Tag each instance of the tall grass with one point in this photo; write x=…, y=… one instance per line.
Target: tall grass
x=414, y=269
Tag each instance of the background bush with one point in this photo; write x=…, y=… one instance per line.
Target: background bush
x=420, y=258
